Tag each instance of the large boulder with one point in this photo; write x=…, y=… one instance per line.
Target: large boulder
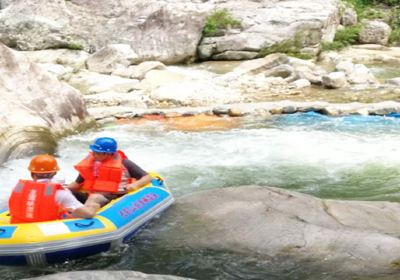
x=107, y=275
x=374, y=32
x=36, y=107
x=166, y=31
x=156, y=30
x=262, y=25
x=344, y=237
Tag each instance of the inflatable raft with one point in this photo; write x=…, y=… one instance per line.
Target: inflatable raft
x=57, y=241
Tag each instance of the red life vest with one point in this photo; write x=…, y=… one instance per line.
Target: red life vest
x=108, y=175
x=33, y=201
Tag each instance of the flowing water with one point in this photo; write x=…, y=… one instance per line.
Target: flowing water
x=331, y=157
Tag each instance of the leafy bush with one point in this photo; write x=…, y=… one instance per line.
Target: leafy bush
x=387, y=10
x=332, y=46
x=348, y=35
x=364, y=3
x=394, y=38
x=343, y=38
x=394, y=20
x=220, y=19
x=388, y=2
x=73, y=46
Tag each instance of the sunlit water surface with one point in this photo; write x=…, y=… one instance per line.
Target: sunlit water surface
x=344, y=157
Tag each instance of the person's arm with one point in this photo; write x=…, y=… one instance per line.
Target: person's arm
x=139, y=183
x=141, y=176
x=76, y=185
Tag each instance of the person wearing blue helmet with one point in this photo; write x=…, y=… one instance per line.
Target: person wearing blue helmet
x=108, y=171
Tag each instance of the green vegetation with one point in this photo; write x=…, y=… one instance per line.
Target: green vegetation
x=343, y=38
x=291, y=47
x=73, y=46
x=364, y=3
x=394, y=38
x=219, y=20
x=386, y=10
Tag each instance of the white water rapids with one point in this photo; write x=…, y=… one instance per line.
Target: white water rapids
x=319, y=155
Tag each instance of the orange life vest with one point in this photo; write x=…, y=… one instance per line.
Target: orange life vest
x=33, y=201
x=108, y=175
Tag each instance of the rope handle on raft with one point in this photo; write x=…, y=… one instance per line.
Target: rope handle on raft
x=81, y=225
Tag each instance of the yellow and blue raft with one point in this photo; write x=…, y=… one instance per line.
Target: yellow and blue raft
x=57, y=241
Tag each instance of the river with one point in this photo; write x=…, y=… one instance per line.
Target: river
x=331, y=157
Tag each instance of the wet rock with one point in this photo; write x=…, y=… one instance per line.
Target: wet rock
x=107, y=275
x=36, y=108
x=351, y=237
x=276, y=111
x=220, y=111
x=235, y=112
x=289, y=110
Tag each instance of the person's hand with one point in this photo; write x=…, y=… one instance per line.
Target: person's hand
x=132, y=187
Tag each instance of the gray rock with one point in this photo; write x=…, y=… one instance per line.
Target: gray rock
x=166, y=31
x=262, y=24
x=374, y=32
x=301, y=83
x=156, y=30
x=334, y=80
x=107, y=59
x=350, y=237
x=36, y=107
x=284, y=71
x=235, y=55
x=349, y=17
x=65, y=57
x=260, y=65
x=107, y=275
x=393, y=81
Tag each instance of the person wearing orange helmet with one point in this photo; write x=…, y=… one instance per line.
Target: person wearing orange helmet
x=108, y=171
x=41, y=199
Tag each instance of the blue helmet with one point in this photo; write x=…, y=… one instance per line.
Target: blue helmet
x=104, y=145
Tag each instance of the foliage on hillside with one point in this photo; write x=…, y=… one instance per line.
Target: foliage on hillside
x=386, y=10
x=343, y=38
x=219, y=20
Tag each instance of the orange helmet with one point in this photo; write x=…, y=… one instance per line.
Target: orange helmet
x=43, y=164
